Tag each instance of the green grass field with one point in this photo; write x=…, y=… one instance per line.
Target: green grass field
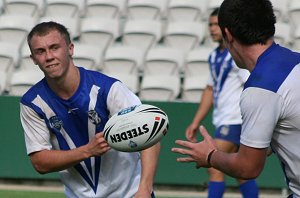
x=36, y=194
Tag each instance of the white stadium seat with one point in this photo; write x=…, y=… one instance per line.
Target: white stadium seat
x=33, y=8
x=146, y=9
x=160, y=88
x=166, y=60
x=196, y=63
x=122, y=59
x=184, y=35
x=99, y=31
x=187, y=10
x=142, y=34
x=130, y=80
x=106, y=8
x=192, y=89
x=69, y=8
x=22, y=80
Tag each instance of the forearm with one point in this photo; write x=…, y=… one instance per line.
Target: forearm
x=47, y=161
x=149, y=160
x=239, y=165
x=204, y=105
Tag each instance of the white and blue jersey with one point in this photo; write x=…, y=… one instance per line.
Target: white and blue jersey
x=53, y=123
x=227, y=81
x=270, y=106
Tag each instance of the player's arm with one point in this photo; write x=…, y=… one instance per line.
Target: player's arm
x=46, y=161
x=43, y=156
x=203, y=109
x=149, y=160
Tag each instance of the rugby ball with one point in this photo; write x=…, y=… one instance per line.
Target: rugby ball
x=136, y=128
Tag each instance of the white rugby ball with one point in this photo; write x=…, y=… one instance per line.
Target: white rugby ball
x=136, y=128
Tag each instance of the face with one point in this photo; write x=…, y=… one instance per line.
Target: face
x=214, y=29
x=51, y=53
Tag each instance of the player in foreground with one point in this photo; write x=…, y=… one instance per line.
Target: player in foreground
x=223, y=90
x=63, y=116
x=269, y=103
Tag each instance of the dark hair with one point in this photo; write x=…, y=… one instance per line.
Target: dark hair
x=44, y=28
x=214, y=12
x=251, y=22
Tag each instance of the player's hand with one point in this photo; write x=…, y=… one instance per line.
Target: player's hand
x=190, y=132
x=197, y=152
x=142, y=194
x=97, y=146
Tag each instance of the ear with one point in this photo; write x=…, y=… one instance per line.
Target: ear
x=71, y=49
x=228, y=36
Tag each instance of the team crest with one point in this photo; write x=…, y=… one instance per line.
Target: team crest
x=94, y=117
x=55, y=122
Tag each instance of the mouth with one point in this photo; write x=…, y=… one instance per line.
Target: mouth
x=52, y=65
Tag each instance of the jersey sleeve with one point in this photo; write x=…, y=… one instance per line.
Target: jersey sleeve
x=120, y=97
x=261, y=110
x=37, y=137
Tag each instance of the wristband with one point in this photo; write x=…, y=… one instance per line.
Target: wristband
x=210, y=155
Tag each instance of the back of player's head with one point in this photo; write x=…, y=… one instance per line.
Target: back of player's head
x=44, y=28
x=250, y=22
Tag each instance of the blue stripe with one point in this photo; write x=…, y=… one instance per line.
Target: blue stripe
x=272, y=68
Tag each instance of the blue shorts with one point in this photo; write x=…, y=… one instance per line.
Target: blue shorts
x=230, y=133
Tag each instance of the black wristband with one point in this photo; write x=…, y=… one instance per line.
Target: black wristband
x=210, y=155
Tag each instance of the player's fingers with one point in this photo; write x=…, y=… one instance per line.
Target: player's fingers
x=181, y=151
x=184, y=143
x=204, y=132
x=185, y=159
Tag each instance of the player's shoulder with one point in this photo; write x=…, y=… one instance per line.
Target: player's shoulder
x=33, y=92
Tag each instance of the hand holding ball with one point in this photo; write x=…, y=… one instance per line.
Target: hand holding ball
x=136, y=128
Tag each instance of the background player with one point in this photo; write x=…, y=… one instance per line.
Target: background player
x=224, y=88
x=63, y=116
x=269, y=103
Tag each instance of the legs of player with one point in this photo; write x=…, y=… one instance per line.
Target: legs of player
x=216, y=186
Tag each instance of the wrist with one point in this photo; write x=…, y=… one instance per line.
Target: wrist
x=209, y=156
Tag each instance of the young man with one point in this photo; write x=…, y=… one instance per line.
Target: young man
x=224, y=89
x=269, y=103
x=63, y=116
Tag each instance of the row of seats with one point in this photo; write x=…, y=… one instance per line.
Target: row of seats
x=150, y=87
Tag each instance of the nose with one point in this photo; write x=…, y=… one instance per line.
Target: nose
x=49, y=55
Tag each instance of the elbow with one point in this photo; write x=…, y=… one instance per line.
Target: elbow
x=249, y=172
x=40, y=169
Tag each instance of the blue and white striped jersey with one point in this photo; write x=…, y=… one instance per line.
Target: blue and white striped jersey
x=50, y=122
x=227, y=81
x=270, y=106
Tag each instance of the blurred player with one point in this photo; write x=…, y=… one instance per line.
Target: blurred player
x=63, y=116
x=270, y=100
x=224, y=89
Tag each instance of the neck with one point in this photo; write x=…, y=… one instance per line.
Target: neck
x=251, y=54
x=66, y=86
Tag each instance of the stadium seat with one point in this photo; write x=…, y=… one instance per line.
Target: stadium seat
x=9, y=56
x=14, y=28
x=166, y=60
x=211, y=5
x=32, y=8
x=187, y=10
x=22, y=80
x=67, y=8
x=160, y=88
x=296, y=39
x=122, y=59
x=184, y=35
x=71, y=23
x=88, y=56
x=282, y=33
x=130, y=80
x=192, y=89
x=106, y=8
x=294, y=12
x=146, y=9
x=280, y=9
x=142, y=34
x=99, y=31
x=3, y=82
x=196, y=63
